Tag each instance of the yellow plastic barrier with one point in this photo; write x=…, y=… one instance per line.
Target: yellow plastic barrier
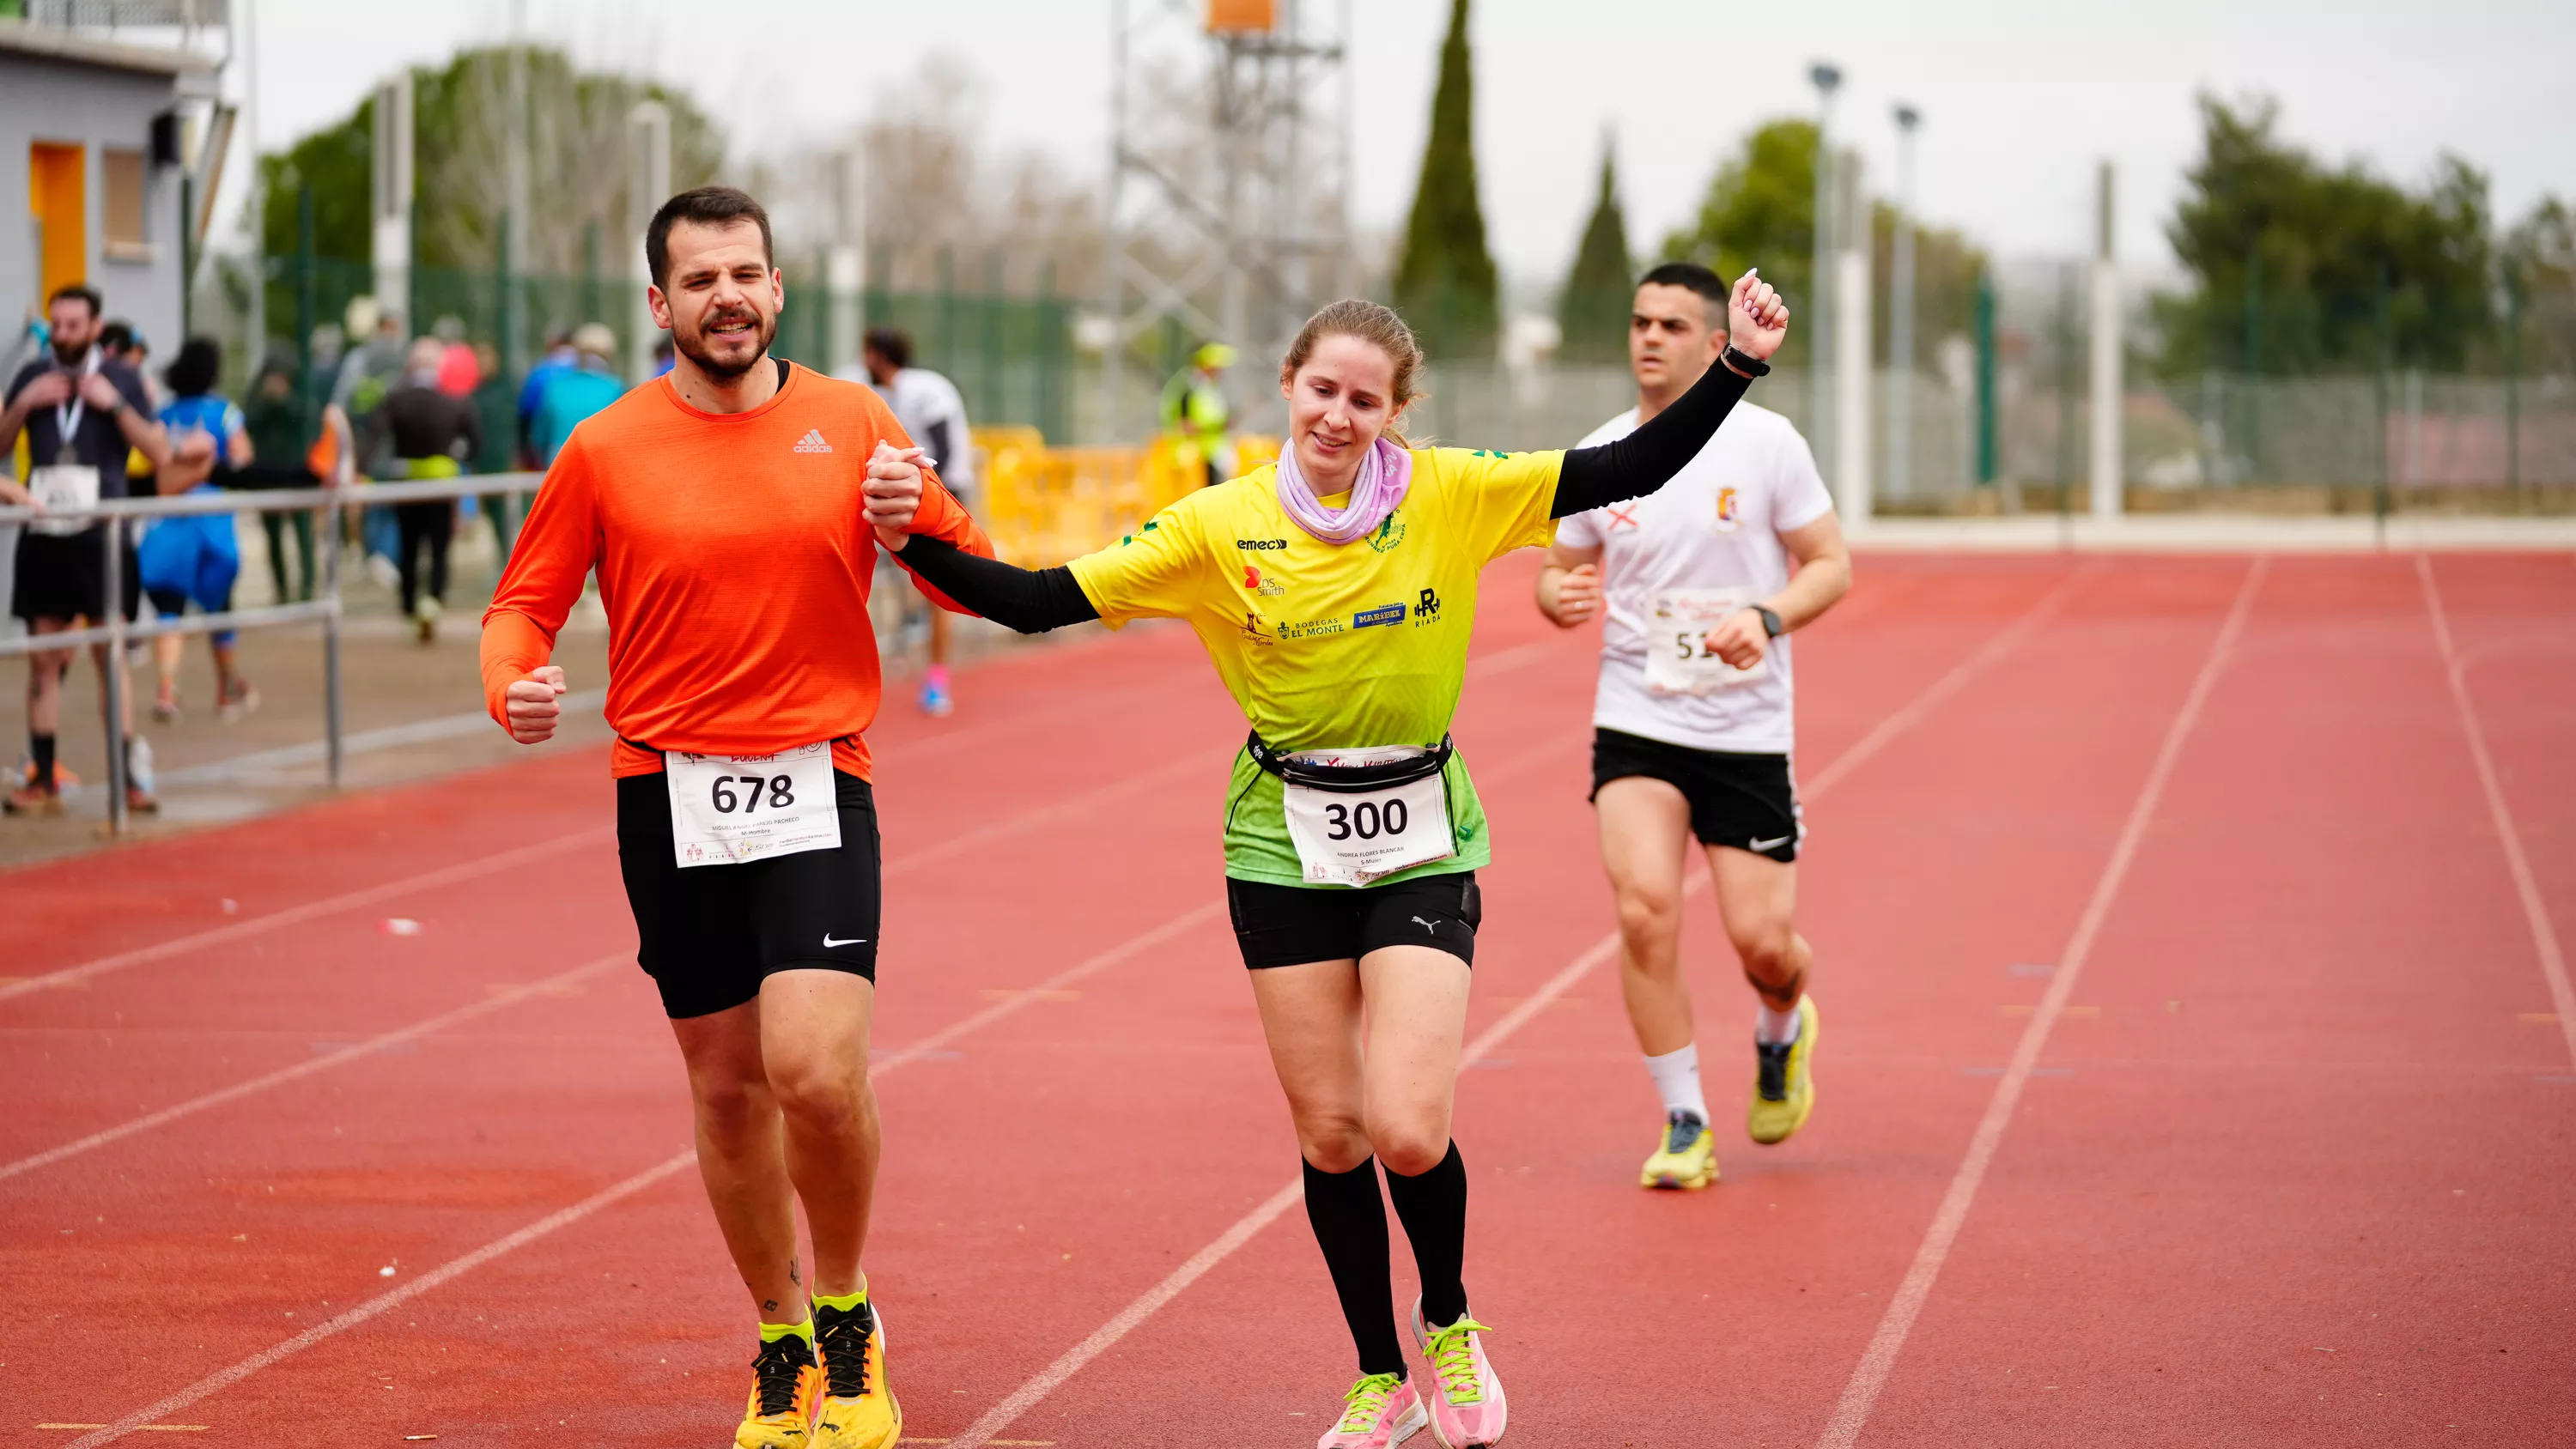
x=1044, y=505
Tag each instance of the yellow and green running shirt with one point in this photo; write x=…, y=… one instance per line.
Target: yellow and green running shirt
x=1328, y=646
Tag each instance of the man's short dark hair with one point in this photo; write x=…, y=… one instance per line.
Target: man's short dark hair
x=891, y=343
x=81, y=291
x=193, y=372
x=1711, y=287
x=116, y=337
x=716, y=206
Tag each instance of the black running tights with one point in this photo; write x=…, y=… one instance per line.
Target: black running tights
x=1350, y=1226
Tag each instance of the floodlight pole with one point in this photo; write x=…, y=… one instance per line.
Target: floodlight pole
x=392, y=179
x=514, y=240
x=2108, y=386
x=1900, y=315
x=648, y=184
x=1817, y=325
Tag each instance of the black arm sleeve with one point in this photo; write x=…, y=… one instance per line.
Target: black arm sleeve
x=1031, y=601
x=1647, y=459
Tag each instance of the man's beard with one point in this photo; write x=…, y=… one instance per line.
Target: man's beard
x=693, y=346
x=71, y=357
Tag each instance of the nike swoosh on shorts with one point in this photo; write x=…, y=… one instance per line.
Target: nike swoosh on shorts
x=828, y=942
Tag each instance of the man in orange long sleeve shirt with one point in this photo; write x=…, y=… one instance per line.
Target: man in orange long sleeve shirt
x=727, y=509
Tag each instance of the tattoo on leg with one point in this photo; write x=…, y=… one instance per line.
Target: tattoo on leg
x=795, y=1273
x=769, y=1305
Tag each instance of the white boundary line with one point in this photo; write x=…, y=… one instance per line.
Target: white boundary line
x=310, y=910
x=1047, y=1380
x=324, y=1063
x=2535, y=912
x=454, y=1268
x=1859, y=1395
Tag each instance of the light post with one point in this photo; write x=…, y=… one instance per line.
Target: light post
x=1818, y=324
x=1900, y=316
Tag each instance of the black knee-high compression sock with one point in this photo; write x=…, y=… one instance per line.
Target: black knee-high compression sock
x=41, y=747
x=1433, y=1208
x=1350, y=1226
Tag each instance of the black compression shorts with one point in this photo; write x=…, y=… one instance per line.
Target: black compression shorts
x=710, y=934
x=1747, y=801
x=1284, y=925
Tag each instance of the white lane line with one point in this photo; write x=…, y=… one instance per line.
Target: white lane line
x=310, y=910
x=454, y=1268
x=1859, y=1395
x=1047, y=1380
x=467, y=870
x=310, y=1067
x=2535, y=912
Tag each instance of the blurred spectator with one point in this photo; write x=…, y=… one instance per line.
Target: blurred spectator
x=277, y=460
x=577, y=392
x=82, y=411
x=460, y=371
x=1196, y=413
x=665, y=355
x=430, y=435
x=195, y=558
x=122, y=343
x=560, y=357
x=367, y=374
x=934, y=416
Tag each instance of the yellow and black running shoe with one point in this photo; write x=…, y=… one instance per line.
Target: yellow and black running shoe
x=1784, y=1082
x=785, y=1383
x=1685, y=1157
x=858, y=1409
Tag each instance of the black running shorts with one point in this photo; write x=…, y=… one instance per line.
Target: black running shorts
x=710, y=934
x=1284, y=925
x=1747, y=801
x=65, y=577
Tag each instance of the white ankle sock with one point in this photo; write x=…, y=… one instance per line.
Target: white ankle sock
x=1676, y=1077
x=1777, y=1028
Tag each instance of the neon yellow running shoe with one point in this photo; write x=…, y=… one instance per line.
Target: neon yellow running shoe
x=1685, y=1157
x=1784, y=1082
x=858, y=1409
x=785, y=1381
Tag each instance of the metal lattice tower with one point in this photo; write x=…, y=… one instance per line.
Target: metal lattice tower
x=1228, y=204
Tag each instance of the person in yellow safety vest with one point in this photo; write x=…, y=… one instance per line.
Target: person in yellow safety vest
x=1195, y=410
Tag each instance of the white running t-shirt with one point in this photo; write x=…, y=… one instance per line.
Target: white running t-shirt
x=1715, y=527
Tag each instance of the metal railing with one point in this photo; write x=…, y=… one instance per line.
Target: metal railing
x=118, y=632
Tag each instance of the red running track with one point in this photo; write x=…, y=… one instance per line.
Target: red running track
x=2197, y=1066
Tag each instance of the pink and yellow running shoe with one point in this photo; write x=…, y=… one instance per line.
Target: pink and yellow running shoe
x=1467, y=1408
x=1380, y=1412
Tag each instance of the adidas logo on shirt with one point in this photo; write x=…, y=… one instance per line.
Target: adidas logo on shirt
x=813, y=442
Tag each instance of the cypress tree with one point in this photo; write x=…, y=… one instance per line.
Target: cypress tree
x=1592, y=311
x=1445, y=286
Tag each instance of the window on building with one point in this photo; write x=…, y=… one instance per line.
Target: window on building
x=121, y=215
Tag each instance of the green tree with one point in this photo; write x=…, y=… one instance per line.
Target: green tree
x=1592, y=311
x=1760, y=212
x=2287, y=255
x=577, y=172
x=1445, y=286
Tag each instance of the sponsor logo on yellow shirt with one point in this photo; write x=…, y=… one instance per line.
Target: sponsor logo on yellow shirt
x=1389, y=533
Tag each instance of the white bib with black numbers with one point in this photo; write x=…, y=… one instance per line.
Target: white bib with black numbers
x=58, y=487
x=1678, y=660
x=1358, y=837
x=726, y=809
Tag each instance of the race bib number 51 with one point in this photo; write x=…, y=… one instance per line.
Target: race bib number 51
x=726, y=809
x=1678, y=660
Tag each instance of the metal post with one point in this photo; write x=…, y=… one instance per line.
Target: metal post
x=514, y=240
x=1900, y=317
x=2065, y=402
x=1818, y=305
x=2106, y=461
x=1986, y=469
x=1849, y=471
x=2253, y=359
x=331, y=723
x=1113, y=254
x=112, y=678
x=391, y=182
x=648, y=184
x=2379, y=390
x=2513, y=385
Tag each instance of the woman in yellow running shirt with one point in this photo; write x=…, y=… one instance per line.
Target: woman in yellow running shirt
x=1334, y=592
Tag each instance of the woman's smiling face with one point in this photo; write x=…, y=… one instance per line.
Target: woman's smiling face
x=1338, y=404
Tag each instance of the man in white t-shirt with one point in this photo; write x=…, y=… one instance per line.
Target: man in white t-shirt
x=1692, y=722
x=933, y=414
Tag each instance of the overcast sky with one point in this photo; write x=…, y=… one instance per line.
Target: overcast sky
x=2020, y=98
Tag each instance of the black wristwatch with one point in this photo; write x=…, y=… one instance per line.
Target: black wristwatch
x=1771, y=624
x=1749, y=366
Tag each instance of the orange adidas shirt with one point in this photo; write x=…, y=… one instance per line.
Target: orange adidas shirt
x=734, y=560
